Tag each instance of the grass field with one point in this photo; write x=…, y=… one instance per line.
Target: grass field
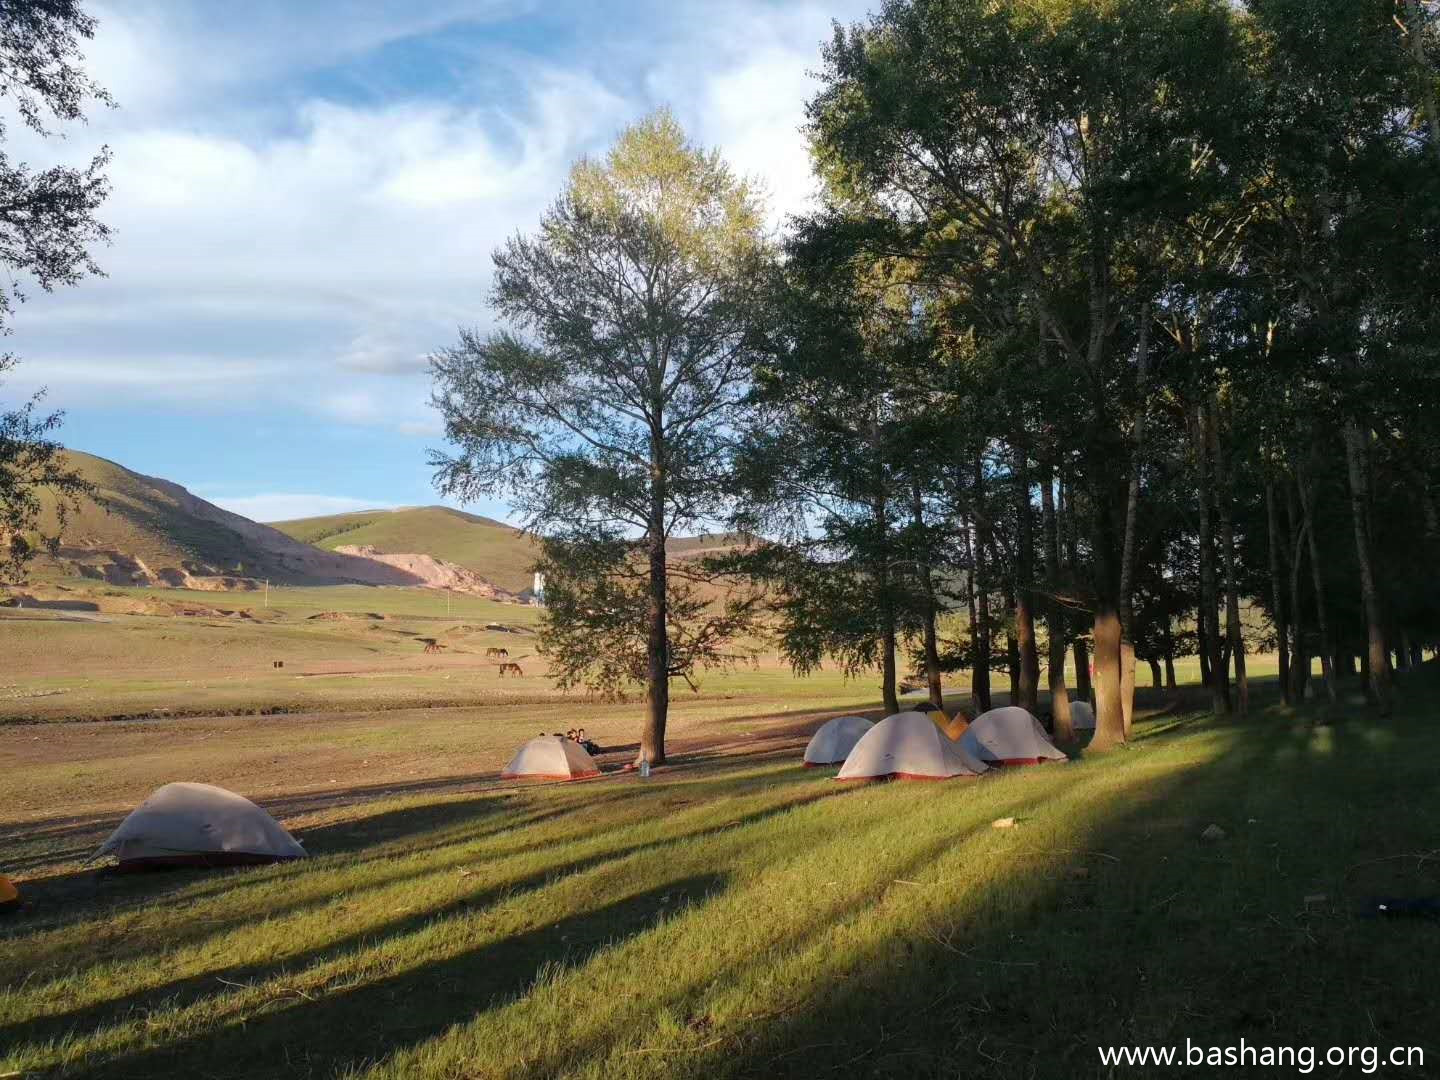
x=734, y=915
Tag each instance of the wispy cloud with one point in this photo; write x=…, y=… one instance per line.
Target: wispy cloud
x=274, y=506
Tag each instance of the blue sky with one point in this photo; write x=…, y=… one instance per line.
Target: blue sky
x=306, y=197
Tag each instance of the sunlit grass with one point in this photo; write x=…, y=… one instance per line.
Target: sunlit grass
x=753, y=918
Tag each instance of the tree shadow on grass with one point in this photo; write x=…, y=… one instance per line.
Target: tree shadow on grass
x=214, y=982
x=350, y=1027
x=1177, y=939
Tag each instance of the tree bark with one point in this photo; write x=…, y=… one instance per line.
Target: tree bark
x=1277, y=594
x=1225, y=501
x=1299, y=654
x=1109, y=720
x=1356, y=456
x=1322, y=621
x=1012, y=647
x=1170, y=681
x=1028, y=681
x=1132, y=506
x=979, y=626
x=927, y=589
x=1209, y=600
x=1055, y=614
x=657, y=645
x=1154, y=671
x=1084, y=691
x=887, y=612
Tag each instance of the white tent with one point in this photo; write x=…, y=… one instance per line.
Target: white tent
x=1009, y=736
x=551, y=757
x=908, y=746
x=836, y=738
x=198, y=825
x=1082, y=717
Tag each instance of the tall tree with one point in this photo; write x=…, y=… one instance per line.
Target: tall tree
x=635, y=311
x=47, y=229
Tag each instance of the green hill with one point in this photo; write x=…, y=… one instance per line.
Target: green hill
x=142, y=530
x=496, y=551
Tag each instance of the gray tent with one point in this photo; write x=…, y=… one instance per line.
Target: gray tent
x=198, y=825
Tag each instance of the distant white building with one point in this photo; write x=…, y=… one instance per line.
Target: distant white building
x=539, y=588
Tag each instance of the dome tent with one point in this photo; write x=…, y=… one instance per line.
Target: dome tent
x=198, y=825
x=1009, y=736
x=551, y=757
x=834, y=740
x=1082, y=717
x=908, y=746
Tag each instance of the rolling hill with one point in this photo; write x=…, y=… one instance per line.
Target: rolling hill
x=496, y=551
x=141, y=530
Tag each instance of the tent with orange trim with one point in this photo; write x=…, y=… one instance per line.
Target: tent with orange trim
x=198, y=825
x=551, y=757
x=1009, y=736
x=908, y=746
x=832, y=743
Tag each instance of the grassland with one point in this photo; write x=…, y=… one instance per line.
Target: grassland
x=739, y=916
x=734, y=915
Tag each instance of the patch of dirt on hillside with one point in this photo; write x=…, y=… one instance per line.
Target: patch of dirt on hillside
x=346, y=616
x=432, y=573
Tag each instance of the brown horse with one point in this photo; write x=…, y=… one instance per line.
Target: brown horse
x=510, y=669
x=432, y=646
x=497, y=652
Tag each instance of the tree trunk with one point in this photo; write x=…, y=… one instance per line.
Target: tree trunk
x=1299, y=654
x=1322, y=621
x=1028, y=682
x=1109, y=718
x=1170, y=681
x=657, y=644
x=886, y=611
x=1209, y=599
x=1224, y=500
x=1277, y=595
x=1055, y=614
x=1202, y=646
x=1356, y=455
x=1084, y=691
x=1154, y=671
x=1012, y=647
x=1132, y=506
x=979, y=627
x=927, y=590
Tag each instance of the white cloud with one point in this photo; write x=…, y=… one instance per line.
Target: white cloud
x=287, y=507
x=280, y=245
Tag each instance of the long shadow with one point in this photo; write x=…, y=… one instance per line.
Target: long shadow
x=298, y=1036
x=181, y=992
x=1207, y=941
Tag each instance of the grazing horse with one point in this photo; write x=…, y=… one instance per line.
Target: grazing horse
x=497, y=652
x=510, y=669
x=432, y=646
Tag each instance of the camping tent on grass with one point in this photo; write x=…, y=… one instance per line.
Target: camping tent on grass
x=908, y=746
x=9, y=895
x=836, y=738
x=1082, y=717
x=198, y=825
x=1009, y=736
x=551, y=757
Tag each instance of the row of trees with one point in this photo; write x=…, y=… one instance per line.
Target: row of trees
x=1116, y=316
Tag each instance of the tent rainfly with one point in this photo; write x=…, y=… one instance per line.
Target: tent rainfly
x=832, y=743
x=1082, y=717
x=908, y=746
x=198, y=825
x=1009, y=736
x=551, y=757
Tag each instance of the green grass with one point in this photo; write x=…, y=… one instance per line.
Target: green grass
x=501, y=554
x=751, y=918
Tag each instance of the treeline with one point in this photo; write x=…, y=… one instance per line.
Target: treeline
x=1117, y=316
